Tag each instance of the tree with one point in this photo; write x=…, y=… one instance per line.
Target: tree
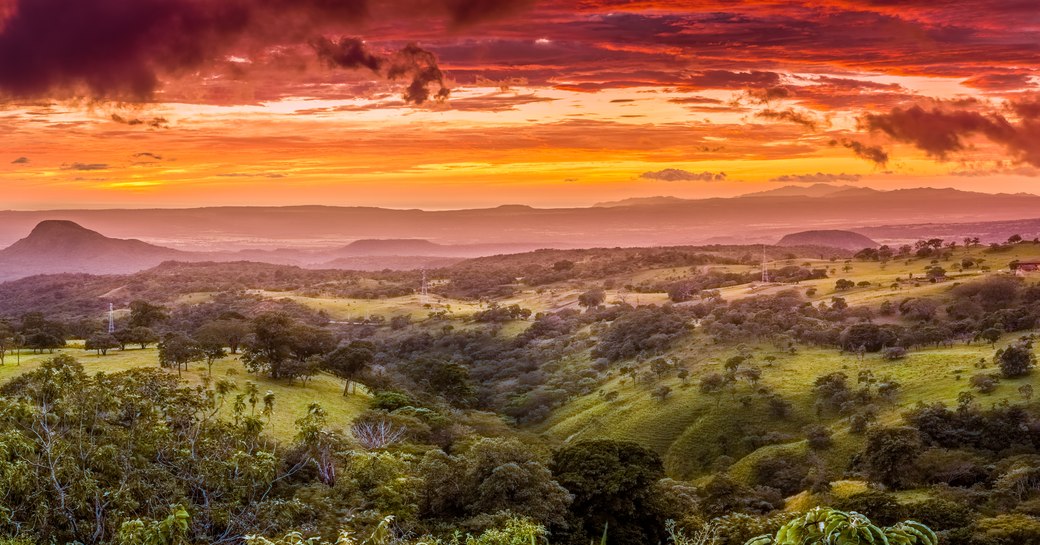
x=6, y=340
x=277, y=342
x=990, y=335
x=592, y=298
x=891, y=453
x=714, y=383
x=140, y=335
x=662, y=392
x=842, y=284
x=211, y=352
x=145, y=314
x=350, y=361
x=229, y=332
x=101, y=343
x=1016, y=360
x=613, y=487
x=39, y=341
x=177, y=350
x=1014, y=239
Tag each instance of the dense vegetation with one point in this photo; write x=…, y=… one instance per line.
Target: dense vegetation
x=803, y=381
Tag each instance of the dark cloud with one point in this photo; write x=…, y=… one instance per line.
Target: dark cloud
x=20, y=161
x=819, y=177
x=770, y=94
x=347, y=53
x=155, y=122
x=411, y=62
x=875, y=154
x=726, y=79
x=679, y=175
x=694, y=100
x=939, y=131
x=148, y=155
x=122, y=49
x=791, y=115
x=85, y=166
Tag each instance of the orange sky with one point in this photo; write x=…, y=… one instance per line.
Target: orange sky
x=551, y=104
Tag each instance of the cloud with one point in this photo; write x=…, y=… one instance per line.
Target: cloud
x=799, y=118
x=727, y=79
x=679, y=175
x=999, y=82
x=252, y=175
x=875, y=154
x=148, y=155
x=155, y=122
x=85, y=166
x=412, y=62
x=940, y=131
x=122, y=49
x=694, y=99
x=818, y=178
x=20, y=161
x=1001, y=168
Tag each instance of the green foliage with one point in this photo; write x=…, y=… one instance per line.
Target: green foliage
x=90, y=458
x=1016, y=360
x=172, y=530
x=280, y=346
x=612, y=484
x=822, y=526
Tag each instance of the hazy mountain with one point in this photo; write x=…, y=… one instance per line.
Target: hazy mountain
x=814, y=190
x=670, y=222
x=846, y=240
x=639, y=201
x=64, y=246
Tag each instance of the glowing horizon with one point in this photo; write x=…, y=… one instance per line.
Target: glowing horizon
x=551, y=104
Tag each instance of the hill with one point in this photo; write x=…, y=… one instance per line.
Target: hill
x=655, y=222
x=56, y=246
x=814, y=190
x=846, y=240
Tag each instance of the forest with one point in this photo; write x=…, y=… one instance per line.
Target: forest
x=622, y=396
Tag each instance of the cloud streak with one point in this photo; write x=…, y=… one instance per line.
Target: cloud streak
x=679, y=175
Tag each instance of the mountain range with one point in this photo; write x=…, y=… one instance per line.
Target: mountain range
x=378, y=238
x=756, y=218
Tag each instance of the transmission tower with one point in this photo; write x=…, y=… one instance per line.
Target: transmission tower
x=765, y=275
x=424, y=289
x=111, y=319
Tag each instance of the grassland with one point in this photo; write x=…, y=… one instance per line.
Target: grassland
x=291, y=400
x=691, y=429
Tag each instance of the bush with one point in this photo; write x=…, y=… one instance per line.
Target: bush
x=1016, y=360
x=893, y=353
x=881, y=507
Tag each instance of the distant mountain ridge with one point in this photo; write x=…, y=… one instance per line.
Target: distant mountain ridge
x=64, y=246
x=814, y=190
x=304, y=232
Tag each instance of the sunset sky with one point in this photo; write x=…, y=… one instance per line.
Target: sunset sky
x=465, y=103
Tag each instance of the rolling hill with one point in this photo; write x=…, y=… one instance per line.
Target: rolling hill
x=846, y=240
x=752, y=219
x=56, y=246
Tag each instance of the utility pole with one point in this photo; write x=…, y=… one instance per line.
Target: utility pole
x=765, y=275
x=424, y=290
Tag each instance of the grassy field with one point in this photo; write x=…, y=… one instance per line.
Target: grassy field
x=691, y=429
x=291, y=400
